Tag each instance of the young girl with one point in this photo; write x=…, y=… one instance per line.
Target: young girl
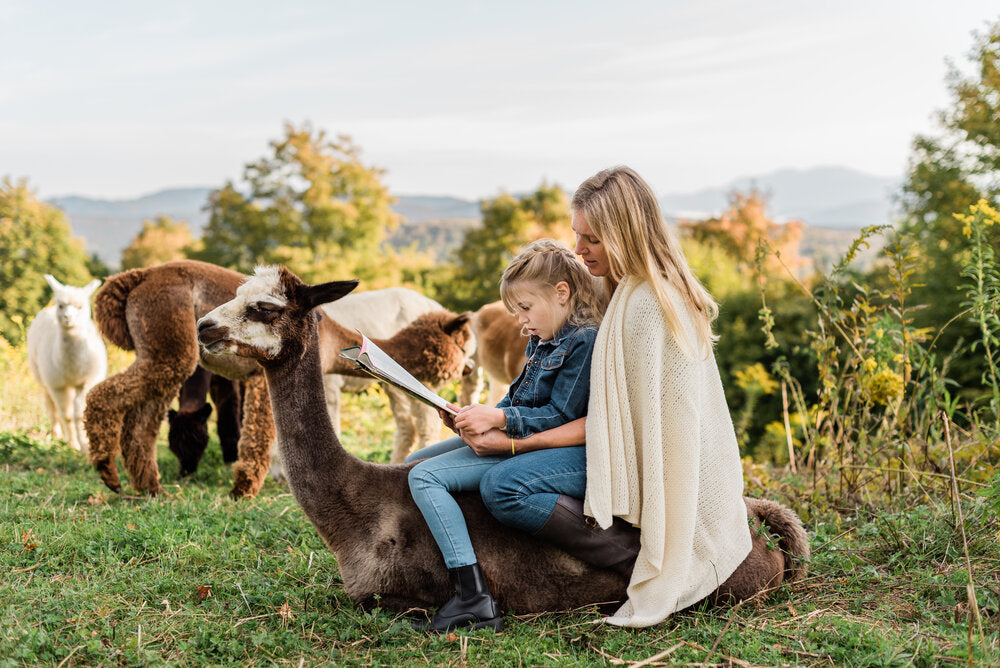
x=560, y=305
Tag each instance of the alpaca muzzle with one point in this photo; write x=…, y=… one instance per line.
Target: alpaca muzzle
x=211, y=335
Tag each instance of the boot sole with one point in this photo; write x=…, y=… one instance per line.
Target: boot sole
x=495, y=624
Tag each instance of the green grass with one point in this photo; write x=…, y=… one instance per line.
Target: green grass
x=191, y=577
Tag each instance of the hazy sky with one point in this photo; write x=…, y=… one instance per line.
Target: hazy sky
x=119, y=99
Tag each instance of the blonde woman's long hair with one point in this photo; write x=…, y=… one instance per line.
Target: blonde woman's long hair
x=545, y=263
x=623, y=213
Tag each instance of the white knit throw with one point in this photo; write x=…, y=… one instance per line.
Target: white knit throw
x=662, y=454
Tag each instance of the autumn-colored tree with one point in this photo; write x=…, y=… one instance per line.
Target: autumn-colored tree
x=508, y=224
x=160, y=240
x=310, y=205
x=743, y=226
x=35, y=240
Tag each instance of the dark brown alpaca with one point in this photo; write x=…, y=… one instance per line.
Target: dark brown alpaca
x=364, y=512
x=188, y=433
x=499, y=352
x=153, y=311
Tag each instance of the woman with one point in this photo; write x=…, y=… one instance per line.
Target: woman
x=661, y=452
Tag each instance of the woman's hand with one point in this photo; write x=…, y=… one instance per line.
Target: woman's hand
x=492, y=442
x=479, y=419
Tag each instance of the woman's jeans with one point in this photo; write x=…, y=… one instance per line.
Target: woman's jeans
x=520, y=491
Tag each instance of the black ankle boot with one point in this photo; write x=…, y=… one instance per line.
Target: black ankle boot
x=614, y=548
x=472, y=605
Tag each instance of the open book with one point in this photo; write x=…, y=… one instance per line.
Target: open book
x=372, y=360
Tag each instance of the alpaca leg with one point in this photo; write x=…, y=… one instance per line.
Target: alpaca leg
x=471, y=387
x=256, y=435
x=406, y=427
x=428, y=423
x=332, y=386
x=76, y=422
x=63, y=399
x=55, y=431
x=104, y=429
x=125, y=394
x=139, y=444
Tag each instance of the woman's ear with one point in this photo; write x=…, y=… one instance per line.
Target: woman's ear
x=562, y=292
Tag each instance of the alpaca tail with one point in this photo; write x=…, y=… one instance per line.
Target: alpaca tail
x=786, y=525
x=109, y=307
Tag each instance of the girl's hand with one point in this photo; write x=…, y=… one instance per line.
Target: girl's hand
x=478, y=418
x=447, y=418
x=492, y=442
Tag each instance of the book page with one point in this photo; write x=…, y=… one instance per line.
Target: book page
x=374, y=360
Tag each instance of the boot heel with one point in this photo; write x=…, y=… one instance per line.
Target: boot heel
x=495, y=624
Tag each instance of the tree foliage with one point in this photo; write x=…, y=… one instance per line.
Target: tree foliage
x=311, y=205
x=741, y=228
x=508, y=224
x=948, y=173
x=35, y=240
x=160, y=240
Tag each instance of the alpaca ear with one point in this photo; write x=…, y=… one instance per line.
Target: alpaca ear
x=456, y=324
x=311, y=296
x=203, y=412
x=93, y=285
x=53, y=283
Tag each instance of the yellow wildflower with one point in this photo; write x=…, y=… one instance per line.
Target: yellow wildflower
x=885, y=387
x=870, y=364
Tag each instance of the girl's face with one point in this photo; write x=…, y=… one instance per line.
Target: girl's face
x=542, y=309
x=589, y=247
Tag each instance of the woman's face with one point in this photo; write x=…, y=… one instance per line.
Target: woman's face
x=589, y=247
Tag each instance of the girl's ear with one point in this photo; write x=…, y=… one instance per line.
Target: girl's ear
x=562, y=292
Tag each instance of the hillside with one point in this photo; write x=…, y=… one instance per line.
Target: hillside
x=831, y=198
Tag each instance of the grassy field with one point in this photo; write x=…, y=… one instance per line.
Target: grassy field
x=193, y=578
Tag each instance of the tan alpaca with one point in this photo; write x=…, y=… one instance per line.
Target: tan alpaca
x=499, y=352
x=364, y=512
x=153, y=311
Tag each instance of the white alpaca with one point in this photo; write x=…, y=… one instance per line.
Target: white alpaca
x=380, y=314
x=67, y=356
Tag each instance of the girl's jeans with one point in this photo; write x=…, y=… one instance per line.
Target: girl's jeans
x=520, y=491
x=453, y=467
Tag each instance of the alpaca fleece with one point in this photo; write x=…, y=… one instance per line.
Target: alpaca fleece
x=154, y=311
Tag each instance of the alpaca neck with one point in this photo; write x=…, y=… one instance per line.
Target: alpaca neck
x=317, y=466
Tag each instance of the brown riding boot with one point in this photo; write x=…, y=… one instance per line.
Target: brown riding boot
x=614, y=548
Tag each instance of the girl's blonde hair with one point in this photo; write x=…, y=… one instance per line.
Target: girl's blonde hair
x=624, y=215
x=546, y=262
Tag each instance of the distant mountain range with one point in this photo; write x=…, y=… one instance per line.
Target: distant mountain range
x=826, y=197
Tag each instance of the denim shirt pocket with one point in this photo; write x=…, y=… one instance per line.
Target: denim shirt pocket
x=553, y=361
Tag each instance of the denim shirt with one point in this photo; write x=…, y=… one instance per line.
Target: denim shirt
x=554, y=385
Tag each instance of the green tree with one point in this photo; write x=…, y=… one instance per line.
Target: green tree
x=35, y=240
x=311, y=205
x=160, y=240
x=947, y=173
x=508, y=224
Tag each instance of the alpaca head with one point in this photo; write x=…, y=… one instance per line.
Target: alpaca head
x=72, y=304
x=269, y=317
x=188, y=436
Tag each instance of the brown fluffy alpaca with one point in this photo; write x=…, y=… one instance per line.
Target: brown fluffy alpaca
x=364, y=512
x=499, y=352
x=188, y=431
x=153, y=311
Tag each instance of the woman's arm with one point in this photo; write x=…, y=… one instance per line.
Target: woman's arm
x=496, y=442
